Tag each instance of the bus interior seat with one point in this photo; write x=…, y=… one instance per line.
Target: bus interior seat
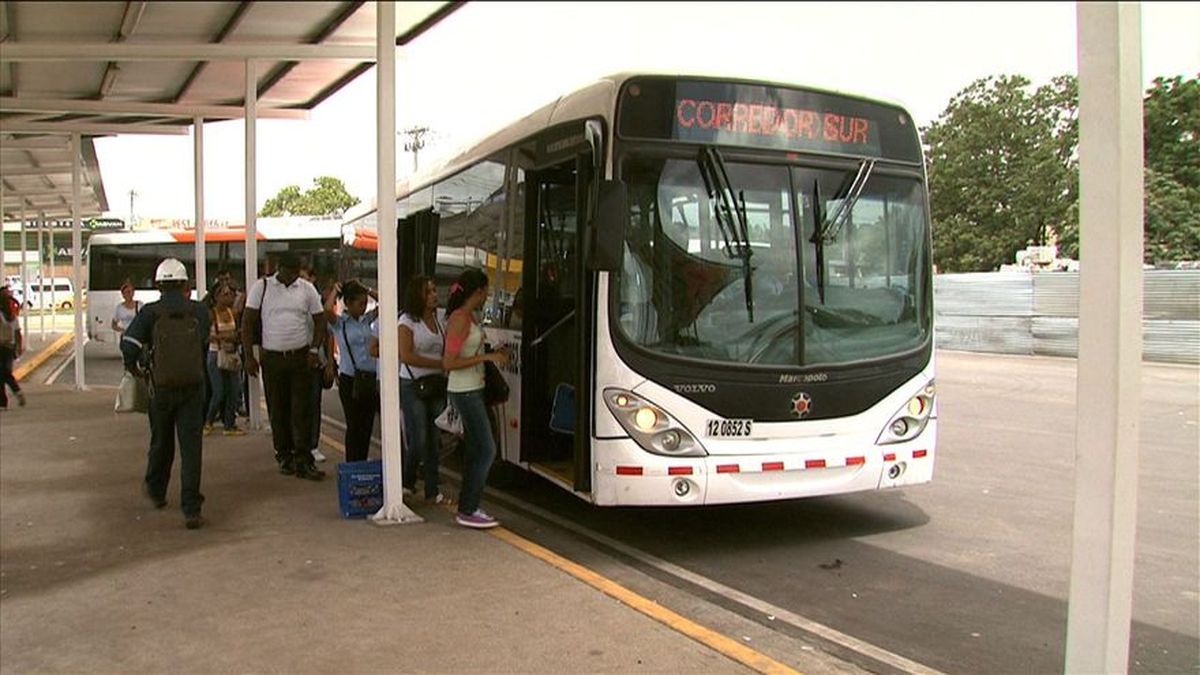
x=562, y=413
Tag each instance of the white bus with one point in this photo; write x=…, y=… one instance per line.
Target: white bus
x=115, y=257
x=720, y=291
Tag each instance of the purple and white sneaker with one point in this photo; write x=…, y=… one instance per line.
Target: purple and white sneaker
x=478, y=520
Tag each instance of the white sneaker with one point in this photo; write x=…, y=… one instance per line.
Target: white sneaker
x=317, y=455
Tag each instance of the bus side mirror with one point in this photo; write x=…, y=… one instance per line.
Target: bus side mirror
x=608, y=228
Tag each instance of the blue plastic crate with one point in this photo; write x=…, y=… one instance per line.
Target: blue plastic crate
x=360, y=488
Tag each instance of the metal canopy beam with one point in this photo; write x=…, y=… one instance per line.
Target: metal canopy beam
x=36, y=170
x=124, y=51
x=90, y=129
x=138, y=109
x=51, y=143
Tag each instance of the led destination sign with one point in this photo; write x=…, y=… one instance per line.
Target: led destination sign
x=764, y=116
x=790, y=124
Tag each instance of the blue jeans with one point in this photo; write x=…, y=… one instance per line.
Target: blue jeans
x=480, y=447
x=226, y=393
x=422, y=435
x=176, y=411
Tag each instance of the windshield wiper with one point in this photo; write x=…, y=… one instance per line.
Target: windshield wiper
x=848, y=192
x=730, y=215
x=827, y=228
x=818, y=241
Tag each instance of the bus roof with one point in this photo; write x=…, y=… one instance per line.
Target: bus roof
x=266, y=231
x=596, y=98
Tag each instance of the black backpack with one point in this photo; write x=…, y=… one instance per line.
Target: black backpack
x=177, y=356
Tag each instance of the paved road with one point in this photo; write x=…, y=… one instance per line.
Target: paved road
x=967, y=574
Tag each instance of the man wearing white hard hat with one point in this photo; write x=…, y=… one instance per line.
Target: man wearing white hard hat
x=167, y=343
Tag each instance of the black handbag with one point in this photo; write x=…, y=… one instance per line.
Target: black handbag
x=429, y=387
x=495, y=389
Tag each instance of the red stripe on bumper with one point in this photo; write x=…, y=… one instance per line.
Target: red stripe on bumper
x=772, y=466
x=728, y=468
x=629, y=470
x=851, y=461
x=814, y=464
x=917, y=454
x=679, y=471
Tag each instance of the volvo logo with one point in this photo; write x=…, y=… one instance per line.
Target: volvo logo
x=801, y=405
x=695, y=388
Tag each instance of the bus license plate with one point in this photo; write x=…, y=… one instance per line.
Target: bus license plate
x=728, y=428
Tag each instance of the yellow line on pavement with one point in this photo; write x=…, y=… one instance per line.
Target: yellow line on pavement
x=41, y=357
x=707, y=637
x=336, y=445
x=728, y=646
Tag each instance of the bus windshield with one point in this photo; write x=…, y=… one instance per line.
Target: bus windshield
x=833, y=276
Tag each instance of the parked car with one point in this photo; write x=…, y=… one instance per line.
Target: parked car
x=55, y=294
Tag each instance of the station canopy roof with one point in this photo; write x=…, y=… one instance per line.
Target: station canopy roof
x=109, y=68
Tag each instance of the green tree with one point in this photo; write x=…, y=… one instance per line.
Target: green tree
x=286, y=202
x=1001, y=168
x=327, y=197
x=1171, y=122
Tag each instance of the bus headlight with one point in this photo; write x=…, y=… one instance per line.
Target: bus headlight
x=910, y=420
x=650, y=426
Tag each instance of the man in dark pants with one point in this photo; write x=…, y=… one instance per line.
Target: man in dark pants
x=175, y=409
x=293, y=330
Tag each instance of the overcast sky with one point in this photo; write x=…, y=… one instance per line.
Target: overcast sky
x=465, y=78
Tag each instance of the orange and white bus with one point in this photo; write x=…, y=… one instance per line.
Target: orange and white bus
x=720, y=290
x=114, y=257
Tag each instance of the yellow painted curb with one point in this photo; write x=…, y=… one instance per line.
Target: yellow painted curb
x=728, y=646
x=41, y=357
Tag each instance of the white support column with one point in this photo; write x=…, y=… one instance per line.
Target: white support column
x=53, y=294
x=77, y=255
x=256, y=421
x=198, y=170
x=1110, y=338
x=41, y=226
x=24, y=281
x=394, y=510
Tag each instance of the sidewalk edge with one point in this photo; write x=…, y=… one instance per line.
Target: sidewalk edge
x=22, y=371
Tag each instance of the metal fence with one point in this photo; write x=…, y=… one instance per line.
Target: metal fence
x=1038, y=313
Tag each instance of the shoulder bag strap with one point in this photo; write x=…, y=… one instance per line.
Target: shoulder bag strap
x=349, y=350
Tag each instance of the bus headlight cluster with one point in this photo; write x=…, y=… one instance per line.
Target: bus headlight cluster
x=910, y=420
x=650, y=426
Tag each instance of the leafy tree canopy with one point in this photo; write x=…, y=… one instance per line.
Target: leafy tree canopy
x=327, y=197
x=1003, y=171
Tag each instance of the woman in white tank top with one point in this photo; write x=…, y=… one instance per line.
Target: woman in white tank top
x=422, y=342
x=464, y=359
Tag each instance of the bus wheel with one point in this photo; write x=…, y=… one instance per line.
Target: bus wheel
x=66, y=305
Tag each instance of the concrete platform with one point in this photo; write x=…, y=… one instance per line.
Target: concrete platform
x=93, y=579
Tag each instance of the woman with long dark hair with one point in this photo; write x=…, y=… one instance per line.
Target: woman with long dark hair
x=421, y=342
x=224, y=362
x=463, y=359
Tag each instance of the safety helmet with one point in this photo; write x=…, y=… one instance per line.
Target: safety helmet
x=170, y=270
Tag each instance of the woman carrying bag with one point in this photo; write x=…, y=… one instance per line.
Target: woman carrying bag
x=464, y=359
x=224, y=362
x=422, y=384
x=357, y=379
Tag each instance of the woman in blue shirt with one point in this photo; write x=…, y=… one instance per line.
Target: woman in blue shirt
x=353, y=331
